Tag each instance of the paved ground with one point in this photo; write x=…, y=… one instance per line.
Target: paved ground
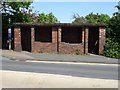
x=13, y=79
x=18, y=79
x=74, y=58
x=58, y=57
x=16, y=55
x=98, y=71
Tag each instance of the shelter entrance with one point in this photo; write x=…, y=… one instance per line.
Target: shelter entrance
x=26, y=38
x=93, y=40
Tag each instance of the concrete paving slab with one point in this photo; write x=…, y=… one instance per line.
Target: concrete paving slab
x=13, y=79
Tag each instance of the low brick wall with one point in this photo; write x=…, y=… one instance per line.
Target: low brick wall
x=69, y=48
x=39, y=47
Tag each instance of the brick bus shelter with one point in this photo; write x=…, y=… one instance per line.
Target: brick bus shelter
x=59, y=37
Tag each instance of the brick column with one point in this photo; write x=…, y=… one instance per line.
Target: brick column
x=59, y=38
x=54, y=34
x=32, y=38
x=83, y=32
x=59, y=34
x=83, y=40
x=101, y=39
x=54, y=38
x=86, y=32
x=17, y=39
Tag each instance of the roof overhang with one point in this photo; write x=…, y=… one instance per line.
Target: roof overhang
x=59, y=25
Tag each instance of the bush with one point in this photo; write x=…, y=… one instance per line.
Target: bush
x=112, y=48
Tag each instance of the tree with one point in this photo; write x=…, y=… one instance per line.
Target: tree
x=17, y=12
x=79, y=19
x=97, y=18
x=91, y=19
x=112, y=46
x=114, y=25
x=47, y=18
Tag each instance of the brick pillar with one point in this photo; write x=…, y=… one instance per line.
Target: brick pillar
x=86, y=32
x=83, y=39
x=83, y=32
x=59, y=34
x=101, y=39
x=54, y=38
x=32, y=38
x=59, y=38
x=54, y=35
x=17, y=39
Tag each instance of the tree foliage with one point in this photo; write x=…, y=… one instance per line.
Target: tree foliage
x=16, y=11
x=114, y=25
x=97, y=18
x=79, y=19
x=47, y=18
x=21, y=12
x=91, y=19
x=112, y=46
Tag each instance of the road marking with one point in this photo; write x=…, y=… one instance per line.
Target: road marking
x=71, y=63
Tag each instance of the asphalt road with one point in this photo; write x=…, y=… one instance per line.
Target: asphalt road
x=79, y=70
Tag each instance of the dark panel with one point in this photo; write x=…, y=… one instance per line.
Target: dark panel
x=26, y=38
x=93, y=40
x=43, y=34
x=71, y=35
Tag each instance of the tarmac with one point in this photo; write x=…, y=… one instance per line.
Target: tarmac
x=91, y=58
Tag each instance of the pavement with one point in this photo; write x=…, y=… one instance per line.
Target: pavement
x=58, y=57
x=15, y=79
x=16, y=55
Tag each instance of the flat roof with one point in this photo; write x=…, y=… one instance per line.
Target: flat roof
x=59, y=24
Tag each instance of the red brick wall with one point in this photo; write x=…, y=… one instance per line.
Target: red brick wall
x=69, y=48
x=56, y=45
x=101, y=39
x=17, y=39
x=43, y=47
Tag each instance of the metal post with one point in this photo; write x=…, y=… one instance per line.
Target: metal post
x=9, y=35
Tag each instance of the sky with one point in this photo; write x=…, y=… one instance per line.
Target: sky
x=64, y=11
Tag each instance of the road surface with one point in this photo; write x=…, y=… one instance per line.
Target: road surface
x=79, y=70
